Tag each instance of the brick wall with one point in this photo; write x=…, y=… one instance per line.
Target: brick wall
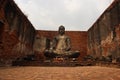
x=16, y=32
x=104, y=35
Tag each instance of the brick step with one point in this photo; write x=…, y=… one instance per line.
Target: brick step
x=39, y=63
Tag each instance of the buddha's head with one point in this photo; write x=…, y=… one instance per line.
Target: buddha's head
x=61, y=30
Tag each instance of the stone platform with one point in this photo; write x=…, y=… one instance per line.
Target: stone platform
x=59, y=73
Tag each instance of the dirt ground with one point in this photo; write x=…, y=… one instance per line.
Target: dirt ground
x=59, y=73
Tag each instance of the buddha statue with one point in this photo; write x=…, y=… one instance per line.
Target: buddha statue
x=60, y=46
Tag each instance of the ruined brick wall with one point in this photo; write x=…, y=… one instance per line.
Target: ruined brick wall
x=104, y=35
x=16, y=32
x=78, y=40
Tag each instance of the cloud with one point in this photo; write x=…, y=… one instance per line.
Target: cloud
x=72, y=6
x=73, y=14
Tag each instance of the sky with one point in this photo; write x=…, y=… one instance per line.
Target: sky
x=75, y=15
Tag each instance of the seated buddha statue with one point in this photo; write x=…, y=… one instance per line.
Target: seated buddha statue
x=60, y=46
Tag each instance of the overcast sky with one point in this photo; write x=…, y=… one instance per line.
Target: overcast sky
x=73, y=14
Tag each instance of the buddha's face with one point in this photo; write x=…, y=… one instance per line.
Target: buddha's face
x=61, y=30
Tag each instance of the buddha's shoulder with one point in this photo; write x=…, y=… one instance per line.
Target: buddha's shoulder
x=58, y=36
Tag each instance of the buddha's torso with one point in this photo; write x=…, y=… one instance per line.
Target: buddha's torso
x=61, y=44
